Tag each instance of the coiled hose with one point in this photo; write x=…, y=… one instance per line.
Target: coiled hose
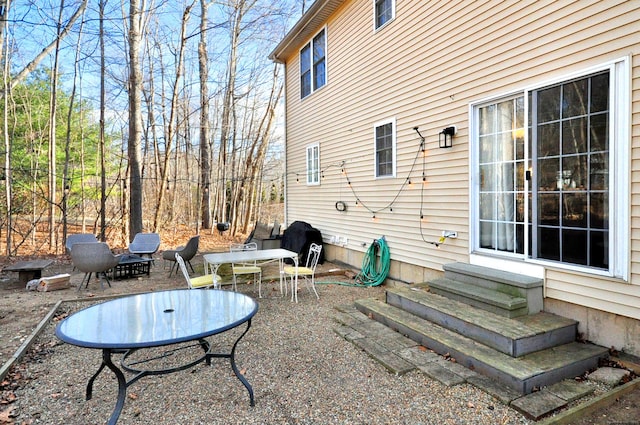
x=375, y=270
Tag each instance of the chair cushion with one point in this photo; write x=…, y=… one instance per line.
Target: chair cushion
x=206, y=280
x=301, y=270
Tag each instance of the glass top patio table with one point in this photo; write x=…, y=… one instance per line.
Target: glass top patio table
x=156, y=319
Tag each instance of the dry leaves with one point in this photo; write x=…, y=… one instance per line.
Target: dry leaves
x=6, y=416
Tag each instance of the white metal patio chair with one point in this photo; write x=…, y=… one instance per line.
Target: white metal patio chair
x=249, y=267
x=205, y=281
x=307, y=272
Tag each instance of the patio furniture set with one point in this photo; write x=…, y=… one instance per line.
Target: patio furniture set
x=93, y=257
x=168, y=315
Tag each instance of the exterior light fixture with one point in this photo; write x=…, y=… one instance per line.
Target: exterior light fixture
x=445, y=137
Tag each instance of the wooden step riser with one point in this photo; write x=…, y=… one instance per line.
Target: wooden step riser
x=523, y=386
x=479, y=303
x=504, y=344
x=488, y=276
x=507, y=283
x=487, y=283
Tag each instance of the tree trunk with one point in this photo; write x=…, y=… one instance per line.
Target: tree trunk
x=205, y=153
x=67, y=143
x=20, y=76
x=135, y=119
x=53, y=105
x=173, y=113
x=4, y=51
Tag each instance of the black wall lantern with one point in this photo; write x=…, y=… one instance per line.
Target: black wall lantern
x=445, y=137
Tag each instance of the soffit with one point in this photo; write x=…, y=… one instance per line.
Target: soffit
x=309, y=23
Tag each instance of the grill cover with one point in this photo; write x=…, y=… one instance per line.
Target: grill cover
x=298, y=237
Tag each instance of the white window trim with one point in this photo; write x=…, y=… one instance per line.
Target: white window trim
x=326, y=68
x=391, y=121
x=619, y=177
x=316, y=147
x=393, y=15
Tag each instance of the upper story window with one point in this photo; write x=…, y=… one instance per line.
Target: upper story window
x=313, y=64
x=313, y=164
x=385, y=148
x=384, y=11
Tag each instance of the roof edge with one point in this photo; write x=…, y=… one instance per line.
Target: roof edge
x=317, y=13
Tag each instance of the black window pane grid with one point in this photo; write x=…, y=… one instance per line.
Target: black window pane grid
x=572, y=173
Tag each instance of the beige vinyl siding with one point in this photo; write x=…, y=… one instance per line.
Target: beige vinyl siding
x=588, y=291
x=424, y=69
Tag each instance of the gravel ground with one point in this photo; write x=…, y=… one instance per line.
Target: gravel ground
x=300, y=370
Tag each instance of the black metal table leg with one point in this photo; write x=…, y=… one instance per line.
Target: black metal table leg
x=232, y=357
x=122, y=385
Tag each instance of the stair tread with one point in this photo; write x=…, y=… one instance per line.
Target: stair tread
x=521, y=368
x=492, y=274
x=489, y=296
x=515, y=328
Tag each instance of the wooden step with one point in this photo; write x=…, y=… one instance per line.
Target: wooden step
x=514, y=337
x=522, y=374
x=487, y=299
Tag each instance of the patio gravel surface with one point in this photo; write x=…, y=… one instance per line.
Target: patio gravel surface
x=301, y=371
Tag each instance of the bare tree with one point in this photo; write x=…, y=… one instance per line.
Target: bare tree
x=135, y=117
x=4, y=51
x=171, y=125
x=205, y=152
x=53, y=103
x=20, y=76
x=67, y=145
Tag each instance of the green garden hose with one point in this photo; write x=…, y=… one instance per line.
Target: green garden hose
x=375, y=270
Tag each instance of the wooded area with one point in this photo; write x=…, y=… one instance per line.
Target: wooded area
x=143, y=115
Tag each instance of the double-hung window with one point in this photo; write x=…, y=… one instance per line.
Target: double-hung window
x=556, y=189
x=313, y=59
x=385, y=148
x=313, y=164
x=383, y=12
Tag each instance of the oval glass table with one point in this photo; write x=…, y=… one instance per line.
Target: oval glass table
x=129, y=324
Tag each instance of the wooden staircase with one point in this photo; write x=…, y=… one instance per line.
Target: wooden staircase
x=491, y=322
